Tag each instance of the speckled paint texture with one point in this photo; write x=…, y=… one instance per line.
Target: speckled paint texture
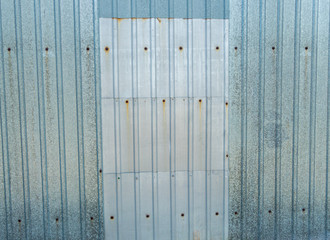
x=279, y=119
x=50, y=168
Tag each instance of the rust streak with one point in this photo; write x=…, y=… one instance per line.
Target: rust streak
x=160, y=21
x=127, y=110
x=164, y=112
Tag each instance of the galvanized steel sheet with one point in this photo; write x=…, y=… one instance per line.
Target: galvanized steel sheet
x=279, y=119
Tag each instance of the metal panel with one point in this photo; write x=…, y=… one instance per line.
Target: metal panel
x=216, y=9
x=279, y=119
x=51, y=169
x=164, y=93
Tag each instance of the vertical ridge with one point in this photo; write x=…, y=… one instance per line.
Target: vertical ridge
x=6, y=134
x=76, y=28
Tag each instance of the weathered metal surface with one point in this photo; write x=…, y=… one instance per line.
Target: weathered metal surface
x=279, y=119
x=164, y=118
x=213, y=9
x=50, y=184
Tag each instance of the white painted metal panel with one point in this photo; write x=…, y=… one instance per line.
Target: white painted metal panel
x=164, y=124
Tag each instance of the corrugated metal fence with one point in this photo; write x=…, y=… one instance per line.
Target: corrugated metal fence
x=51, y=173
x=279, y=119
x=50, y=178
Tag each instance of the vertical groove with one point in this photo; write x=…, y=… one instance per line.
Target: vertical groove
x=327, y=139
x=98, y=105
x=313, y=89
x=279, y=139
x=19, y=79
x=82, y=124
x=58, y=38
x=65, y=217
x=6, y=131
x=133, y=117
x=77, y=110
x=25, y=126
x=115, y=120
x=242, y=117
x=206, y=105
x=152, y=122
x=226, y=130
x=295, y=112
x=170, y=120
x=43, y=168
x=188, y=123
x=259, y=112
x=39, y=117
x=226, y=141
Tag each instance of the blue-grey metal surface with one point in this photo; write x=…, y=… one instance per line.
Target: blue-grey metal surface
x=279, y=119
x=215, y=9
x=164, y=124
x=50, y=179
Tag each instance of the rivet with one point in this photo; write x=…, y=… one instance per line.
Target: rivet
x=200, y=100
x=180, y=48
x=236, y=213
x=147, y=216
x=217, y=214
x=235, y=48
x=145, y=49
x=112, y=217
x=273, y=48
x=46, y=49
x=9, y=49
x=19, y=220
x=182, y=214
x=92, y=218
x=164, y=100
x=106, y=49
x=217, y=47
x=126, y=101
x=100, y=170
x=87, y=48
x=306, y=48
x=270, y=211
x=226, y=103
x=56, y=219
x=227, y=155
x=303, y=209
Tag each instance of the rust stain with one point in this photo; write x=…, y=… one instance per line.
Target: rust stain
x=119, y=20
x=160, y=21
x=200, y=108
x=164, y=112
x=127, y=110
x=196, y=235
x=107, y=50
x=227, y=112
